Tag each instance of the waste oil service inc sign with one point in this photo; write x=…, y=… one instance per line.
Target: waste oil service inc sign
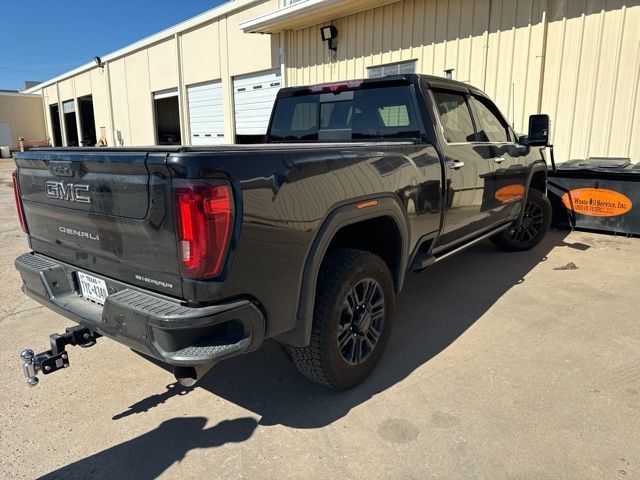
x=597, y=202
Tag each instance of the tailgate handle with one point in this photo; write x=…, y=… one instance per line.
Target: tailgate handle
x=455, y=164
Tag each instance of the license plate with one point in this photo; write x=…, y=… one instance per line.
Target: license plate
x=93, y=288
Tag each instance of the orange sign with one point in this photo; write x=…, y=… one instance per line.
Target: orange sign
x=597, y=202
x=510, y=193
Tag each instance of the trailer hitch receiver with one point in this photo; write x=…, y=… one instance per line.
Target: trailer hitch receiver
x=57, y=357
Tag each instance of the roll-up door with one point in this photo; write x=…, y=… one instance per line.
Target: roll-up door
x=253, y=97
x=206, y=114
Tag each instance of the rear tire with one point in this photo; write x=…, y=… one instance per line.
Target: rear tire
x=352, y=320
x=535, y=225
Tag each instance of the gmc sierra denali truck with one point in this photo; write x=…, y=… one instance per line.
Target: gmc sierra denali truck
x=192, y=255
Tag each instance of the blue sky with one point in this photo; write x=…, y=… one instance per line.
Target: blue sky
x=43, y=38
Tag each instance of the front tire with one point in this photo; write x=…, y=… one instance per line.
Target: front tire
x=535, y=225
x=352, y=320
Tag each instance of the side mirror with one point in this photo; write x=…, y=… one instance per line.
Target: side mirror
x=538, y=131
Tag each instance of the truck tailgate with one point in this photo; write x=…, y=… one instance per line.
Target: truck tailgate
x=110, y=213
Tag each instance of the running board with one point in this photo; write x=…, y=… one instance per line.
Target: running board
x=426, y=260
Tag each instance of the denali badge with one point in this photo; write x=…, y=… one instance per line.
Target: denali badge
x=79, y=233
x=68, y=191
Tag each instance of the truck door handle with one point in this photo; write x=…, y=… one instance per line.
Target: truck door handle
x=455, y=164
x=498, y=159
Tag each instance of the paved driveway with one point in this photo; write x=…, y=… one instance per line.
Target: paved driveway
x=501, y=366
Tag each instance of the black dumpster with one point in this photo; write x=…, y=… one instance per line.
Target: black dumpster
x=597, y=194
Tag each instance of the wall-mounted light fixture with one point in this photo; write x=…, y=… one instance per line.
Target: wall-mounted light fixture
x=448, y=73
x=98, y=61
x=329, y=35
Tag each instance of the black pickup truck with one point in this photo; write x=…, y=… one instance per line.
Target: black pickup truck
x=193, y=255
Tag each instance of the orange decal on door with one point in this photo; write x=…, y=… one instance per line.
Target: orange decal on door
x=597, y=202
x=510, y=193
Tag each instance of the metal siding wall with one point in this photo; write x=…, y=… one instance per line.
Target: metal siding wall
x=592, y=78
x=82, y=84
x=118, y=73
x=201, y=62
x=139, y=99
x=591, y=71
x=50, y=95
x=24, y=116
x=439, y=34
x=163, y=65
x=514, y=58
x=100, y=101
x=65, y=87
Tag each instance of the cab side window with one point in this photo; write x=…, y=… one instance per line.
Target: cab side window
x=491, y=126
x=455, y=117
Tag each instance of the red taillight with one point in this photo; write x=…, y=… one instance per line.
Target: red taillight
x=205, y=218
x=16, y=193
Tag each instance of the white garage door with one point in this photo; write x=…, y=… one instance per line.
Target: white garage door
x=206, y=114
x=253, y=96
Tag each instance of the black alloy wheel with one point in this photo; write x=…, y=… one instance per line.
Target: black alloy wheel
x=352, y=319
x=361, y=321
x=532, y=223
x=536, y=221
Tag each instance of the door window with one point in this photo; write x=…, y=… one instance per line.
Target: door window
x=455, y=117
x=491, y=126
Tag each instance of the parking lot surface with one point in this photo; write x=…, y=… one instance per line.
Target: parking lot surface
x=521, y=365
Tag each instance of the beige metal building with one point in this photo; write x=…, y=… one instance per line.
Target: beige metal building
x=20, y=116
x=213, y=78
x=577, y=60
x=186, y=84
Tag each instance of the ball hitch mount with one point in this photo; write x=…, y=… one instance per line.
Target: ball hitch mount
x=57, y=358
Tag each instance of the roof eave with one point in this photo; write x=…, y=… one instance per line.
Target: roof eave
x=307, y=13
x=274, y=22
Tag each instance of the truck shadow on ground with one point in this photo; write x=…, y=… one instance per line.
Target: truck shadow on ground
x=435, y=308
x=147, y=456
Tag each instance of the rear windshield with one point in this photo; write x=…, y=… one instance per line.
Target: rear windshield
x=370, y=114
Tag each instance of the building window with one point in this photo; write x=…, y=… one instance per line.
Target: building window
x=392, y=69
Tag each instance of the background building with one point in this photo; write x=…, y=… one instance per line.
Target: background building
x=203, y=81
x=20, y=116
x=213, y=78
x=577, y=60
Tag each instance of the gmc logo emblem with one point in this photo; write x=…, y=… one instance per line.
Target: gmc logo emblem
x=70, y=192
